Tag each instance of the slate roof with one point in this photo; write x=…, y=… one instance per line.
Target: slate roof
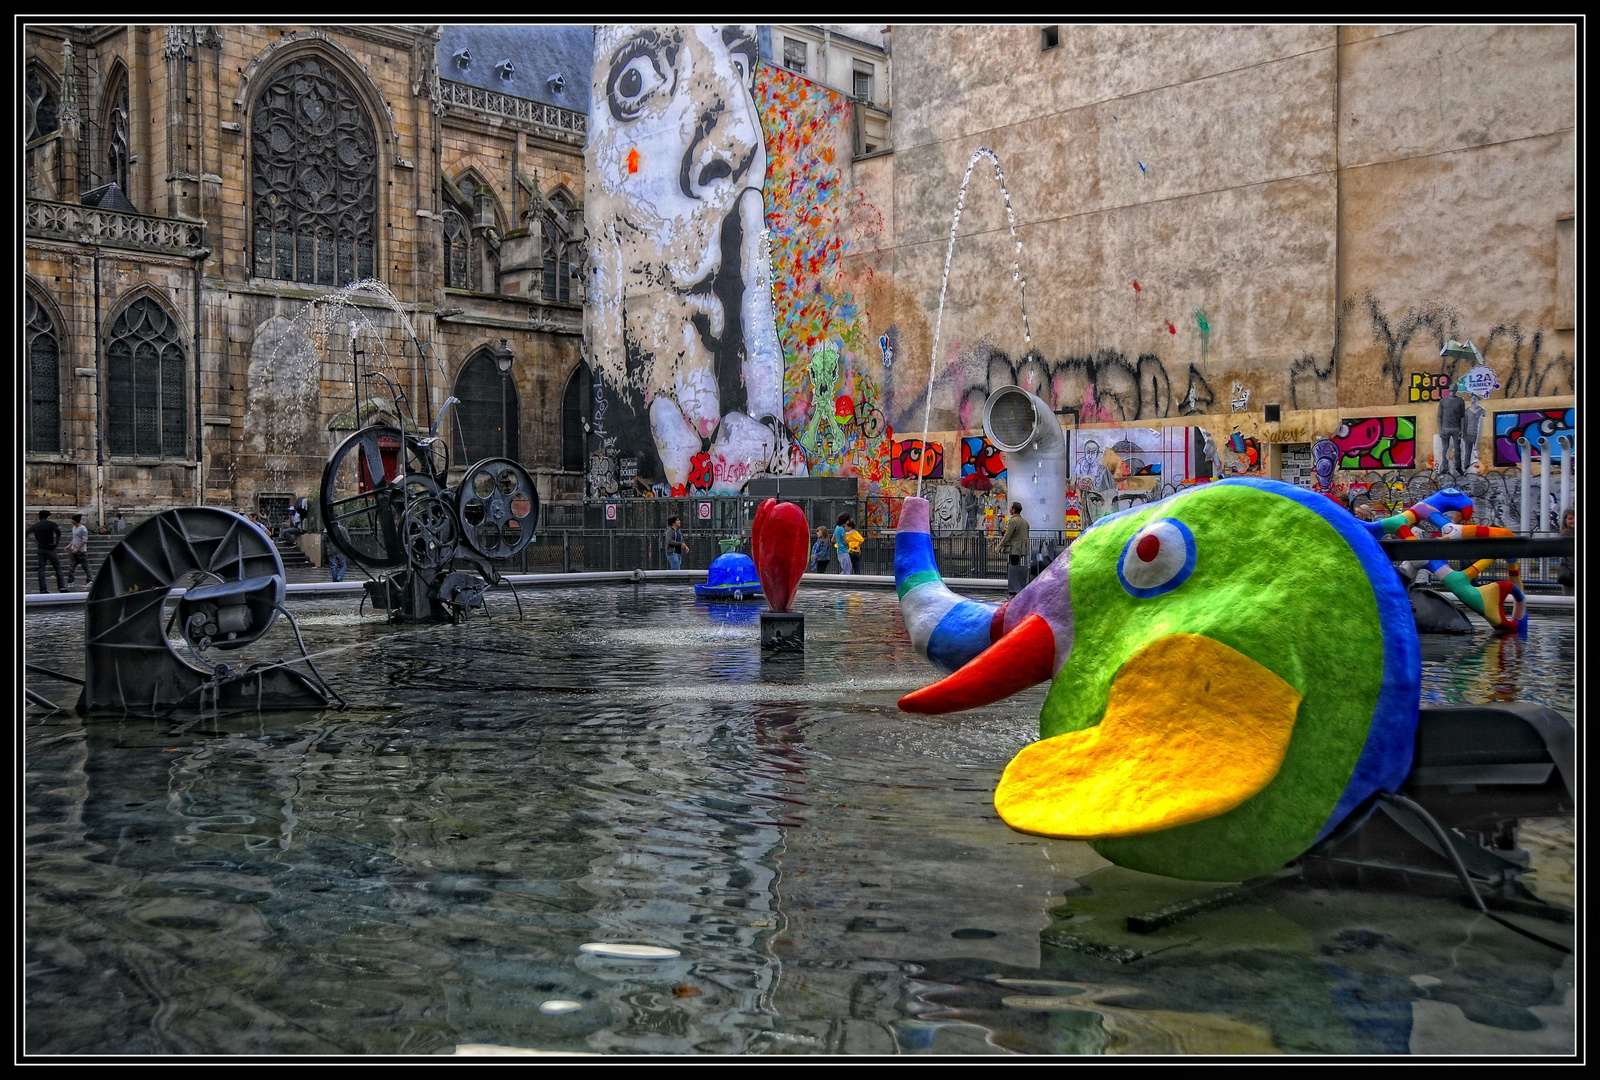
x=536, y=52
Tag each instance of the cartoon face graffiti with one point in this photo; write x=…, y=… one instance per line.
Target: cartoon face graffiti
x=681, y=323
x=980, y=457
x=913, y=457
x=1324, y=460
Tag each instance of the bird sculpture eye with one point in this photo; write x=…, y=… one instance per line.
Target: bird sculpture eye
x=1157, y=559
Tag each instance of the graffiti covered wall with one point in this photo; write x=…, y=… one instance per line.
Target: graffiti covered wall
x=680, y=324
x=724, y=338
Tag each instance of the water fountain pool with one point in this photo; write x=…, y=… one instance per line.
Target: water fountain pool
x=419, y=874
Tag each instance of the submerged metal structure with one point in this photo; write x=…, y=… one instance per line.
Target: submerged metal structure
x=234, y=593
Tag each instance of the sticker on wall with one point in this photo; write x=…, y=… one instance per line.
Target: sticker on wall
x=1549, y=424
x=1428, y=386
x=1481, y=381
x=1377, y=442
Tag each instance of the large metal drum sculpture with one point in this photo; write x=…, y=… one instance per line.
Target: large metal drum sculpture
x=386, y=504
x=235, y=593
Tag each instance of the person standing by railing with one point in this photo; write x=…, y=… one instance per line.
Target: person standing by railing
x=819, y=551
x=676, y=548
x=1566, y=571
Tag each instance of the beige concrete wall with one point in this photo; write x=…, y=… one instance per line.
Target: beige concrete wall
x=1336, y=203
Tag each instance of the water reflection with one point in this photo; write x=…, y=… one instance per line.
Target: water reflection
x=418, y=873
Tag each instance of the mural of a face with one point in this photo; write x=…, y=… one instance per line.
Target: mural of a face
x=682, y=330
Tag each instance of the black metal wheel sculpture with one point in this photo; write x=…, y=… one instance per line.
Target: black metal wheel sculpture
x=363, y=498
x=498, y=508
x=428, y=529
x=235, y=589
x=385, y=504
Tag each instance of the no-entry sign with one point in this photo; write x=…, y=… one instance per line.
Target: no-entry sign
x=705, y=511
x=611, y=511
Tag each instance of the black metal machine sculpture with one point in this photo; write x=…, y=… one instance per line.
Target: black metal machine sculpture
x=234, y=594
x=433, y=548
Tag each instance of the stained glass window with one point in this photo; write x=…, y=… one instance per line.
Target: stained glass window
x=145, y=387
x=43, y=107
x=314, y=209
x=557, y=265
x=43, y=343
x=457, y=251
x=118, y=151
x=488, y=407
x=572, y=408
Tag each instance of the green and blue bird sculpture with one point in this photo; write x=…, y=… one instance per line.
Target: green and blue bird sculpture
x=1234, y=672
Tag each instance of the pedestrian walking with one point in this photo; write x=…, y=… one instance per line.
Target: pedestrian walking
x=337, y=565
x=1014, y=545
x=819, y=551
x=120, y=525
x=841, y=546
x=78, y=550
x=676, y=548
x=46, y=535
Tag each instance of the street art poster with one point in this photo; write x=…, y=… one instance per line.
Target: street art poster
x=1167, y=453
x=1377, y=442
x=1549, y=424
x=1244, y=455
x=980, y=457
x=913, y=458
x=723, y=339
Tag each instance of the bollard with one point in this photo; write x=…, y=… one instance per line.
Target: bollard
x=1543, y=517
x=1525, y=474
x=1567, y=462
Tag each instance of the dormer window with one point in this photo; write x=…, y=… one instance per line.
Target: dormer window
x=506, y=69
x=557, y=83
x=463, y=58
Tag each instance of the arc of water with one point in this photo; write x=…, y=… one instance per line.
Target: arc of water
x=944, y=282
x=321, y=315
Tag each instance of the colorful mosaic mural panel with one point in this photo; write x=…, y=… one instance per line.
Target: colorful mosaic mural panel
x=1377, y=442
x=1549, y=424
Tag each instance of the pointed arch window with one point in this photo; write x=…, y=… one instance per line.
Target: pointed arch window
x=43, y=344
x=145, y=398
x=117, y=129
x=572, y=419
x=457, y=251
x=486, y=417
x=557, y=264
x=43, y=104
x=314, y=178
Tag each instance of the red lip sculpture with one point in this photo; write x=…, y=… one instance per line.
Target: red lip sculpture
x=778, y=541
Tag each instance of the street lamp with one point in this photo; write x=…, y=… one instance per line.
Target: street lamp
x=502, y=360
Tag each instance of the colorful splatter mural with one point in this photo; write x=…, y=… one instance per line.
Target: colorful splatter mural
x=1546, y=423
x=1377, y=442
x=834, y=372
